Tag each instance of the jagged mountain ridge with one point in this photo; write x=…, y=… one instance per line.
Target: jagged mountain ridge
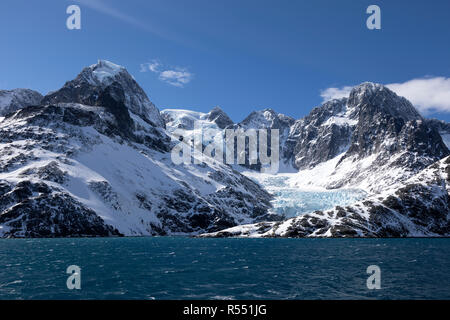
x=373, y=139
x=68, y=165
x=71, y=169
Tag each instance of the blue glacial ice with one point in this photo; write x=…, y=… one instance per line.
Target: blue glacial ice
x=293, y=201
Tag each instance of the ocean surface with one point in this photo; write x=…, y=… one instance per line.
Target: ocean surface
x=188, y=268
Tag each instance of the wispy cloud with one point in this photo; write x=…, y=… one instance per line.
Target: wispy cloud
x=176, y=76
x=428, y=95
x=335, y=93
x=106, y=9
x=151, y=66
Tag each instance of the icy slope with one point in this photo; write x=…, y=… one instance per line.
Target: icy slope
x=216, y=119
x=205, y=127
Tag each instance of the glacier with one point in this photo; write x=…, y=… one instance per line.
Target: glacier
x=292, y=201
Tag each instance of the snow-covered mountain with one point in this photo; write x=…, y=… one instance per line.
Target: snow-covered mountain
x=375, y=141
x=184, y=119
x=13, y=100
x=268, y=119
x=371, y=140
x=88, y=85
x=104, y=168
x=322, y=135
x=93, y=159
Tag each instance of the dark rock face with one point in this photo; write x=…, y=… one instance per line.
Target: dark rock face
x=36, y=210
x=13, y=100
x=439, y=125
x=112, y=87
x=392, y=132
x=92, y=81
x=322, y=135
x=113, y=97
x=373, y=127
x=373, y=120
x=218, y=116
x=385, y=116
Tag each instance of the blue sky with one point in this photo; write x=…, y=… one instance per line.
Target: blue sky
x=240, y=54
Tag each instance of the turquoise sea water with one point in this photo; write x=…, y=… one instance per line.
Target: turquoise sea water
x=187, y=268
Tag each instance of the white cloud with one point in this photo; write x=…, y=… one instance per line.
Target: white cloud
x=426, y=94
x=335, y=93
x=150, y=66
x=177, y=77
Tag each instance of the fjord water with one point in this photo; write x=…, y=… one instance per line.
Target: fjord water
x=189, y=268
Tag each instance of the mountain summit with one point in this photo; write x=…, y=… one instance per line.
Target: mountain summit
x=88, y=86
x=373, y=138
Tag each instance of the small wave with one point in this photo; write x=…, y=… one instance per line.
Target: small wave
x=10, y=283
x=223, y=298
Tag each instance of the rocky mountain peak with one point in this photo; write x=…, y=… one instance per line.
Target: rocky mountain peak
x=266, y=118
x=372, y=98
x=88, y=86
x=218, y=116
x=103, y=73
x=13, y=100
x=382, y=118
